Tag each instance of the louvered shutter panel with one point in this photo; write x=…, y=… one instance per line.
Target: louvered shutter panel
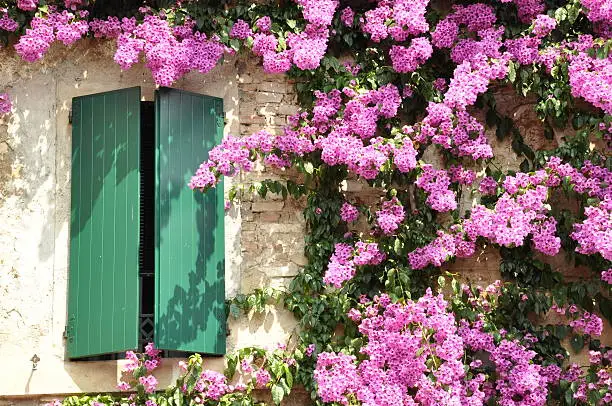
x=189, y=246
x=103, y=293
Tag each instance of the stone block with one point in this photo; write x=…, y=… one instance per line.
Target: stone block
x=274, y=87
x=288, y=109
x=268, y=97
x=259, y=207
x=252, y=119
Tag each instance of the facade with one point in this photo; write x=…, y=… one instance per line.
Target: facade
x=264, y=239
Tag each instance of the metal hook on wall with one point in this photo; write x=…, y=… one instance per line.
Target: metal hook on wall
x=35, y=359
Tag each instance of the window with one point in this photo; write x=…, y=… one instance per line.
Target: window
x=146, y=252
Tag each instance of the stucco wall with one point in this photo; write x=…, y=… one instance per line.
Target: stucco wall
x=35, y=151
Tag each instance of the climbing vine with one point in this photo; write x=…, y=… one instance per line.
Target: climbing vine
x=402, y=95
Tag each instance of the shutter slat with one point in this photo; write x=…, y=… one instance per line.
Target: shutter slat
x=190, y=267
x=103, y=296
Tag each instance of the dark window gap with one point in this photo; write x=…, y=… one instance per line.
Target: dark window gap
x=146, y=252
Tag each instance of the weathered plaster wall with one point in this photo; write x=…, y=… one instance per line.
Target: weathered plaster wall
x=35, y=144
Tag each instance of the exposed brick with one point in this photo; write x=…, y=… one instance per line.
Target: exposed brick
x=269, y=216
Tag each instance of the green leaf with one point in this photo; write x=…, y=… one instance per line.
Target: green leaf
x=277, y=394
x=178, y=397
x=511, y=72
x=288, y=375
x=577, y=342
x=309, y=168
x=291, y=23
x=234, y=310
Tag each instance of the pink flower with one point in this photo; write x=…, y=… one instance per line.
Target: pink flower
x=262, y=377
x=27, y=5
x=151, y=351
x=123, y=386
x=5, y=103
x=347, y=16
x=348, y=212
x=149, y=383
x=264, y=24
x=240, y=30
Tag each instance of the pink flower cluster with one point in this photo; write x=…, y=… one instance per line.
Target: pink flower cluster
x=471, y=78
x=523, y=211
x=435, y=183
x=456, y=131
x=594, y=234
x=606, y=276
x=5, y=103
x=343, y=262
x=487, y=186
x=472, y=18
x=305, y=49
x=591, y=79
x=396, y=18
x=588, y=323
x=418, y=353
x=440, y=250
x=264, y=24
x=27, y=5
x=343, y=145
x=543, y=25
x=390, y=216
x=408, y=59
x=348, y=212
x=150, y=360
x=64, y=26
x=167, y=56
x=598, y=10
x=596, y=379
x=347, y=16
x=240, y=30
x=7, y=23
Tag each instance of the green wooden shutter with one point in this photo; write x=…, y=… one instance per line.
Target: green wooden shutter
x=189, y=246
x=103, y=293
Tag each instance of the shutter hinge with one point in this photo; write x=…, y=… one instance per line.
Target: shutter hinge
x=70, y=116
x=69, y=330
